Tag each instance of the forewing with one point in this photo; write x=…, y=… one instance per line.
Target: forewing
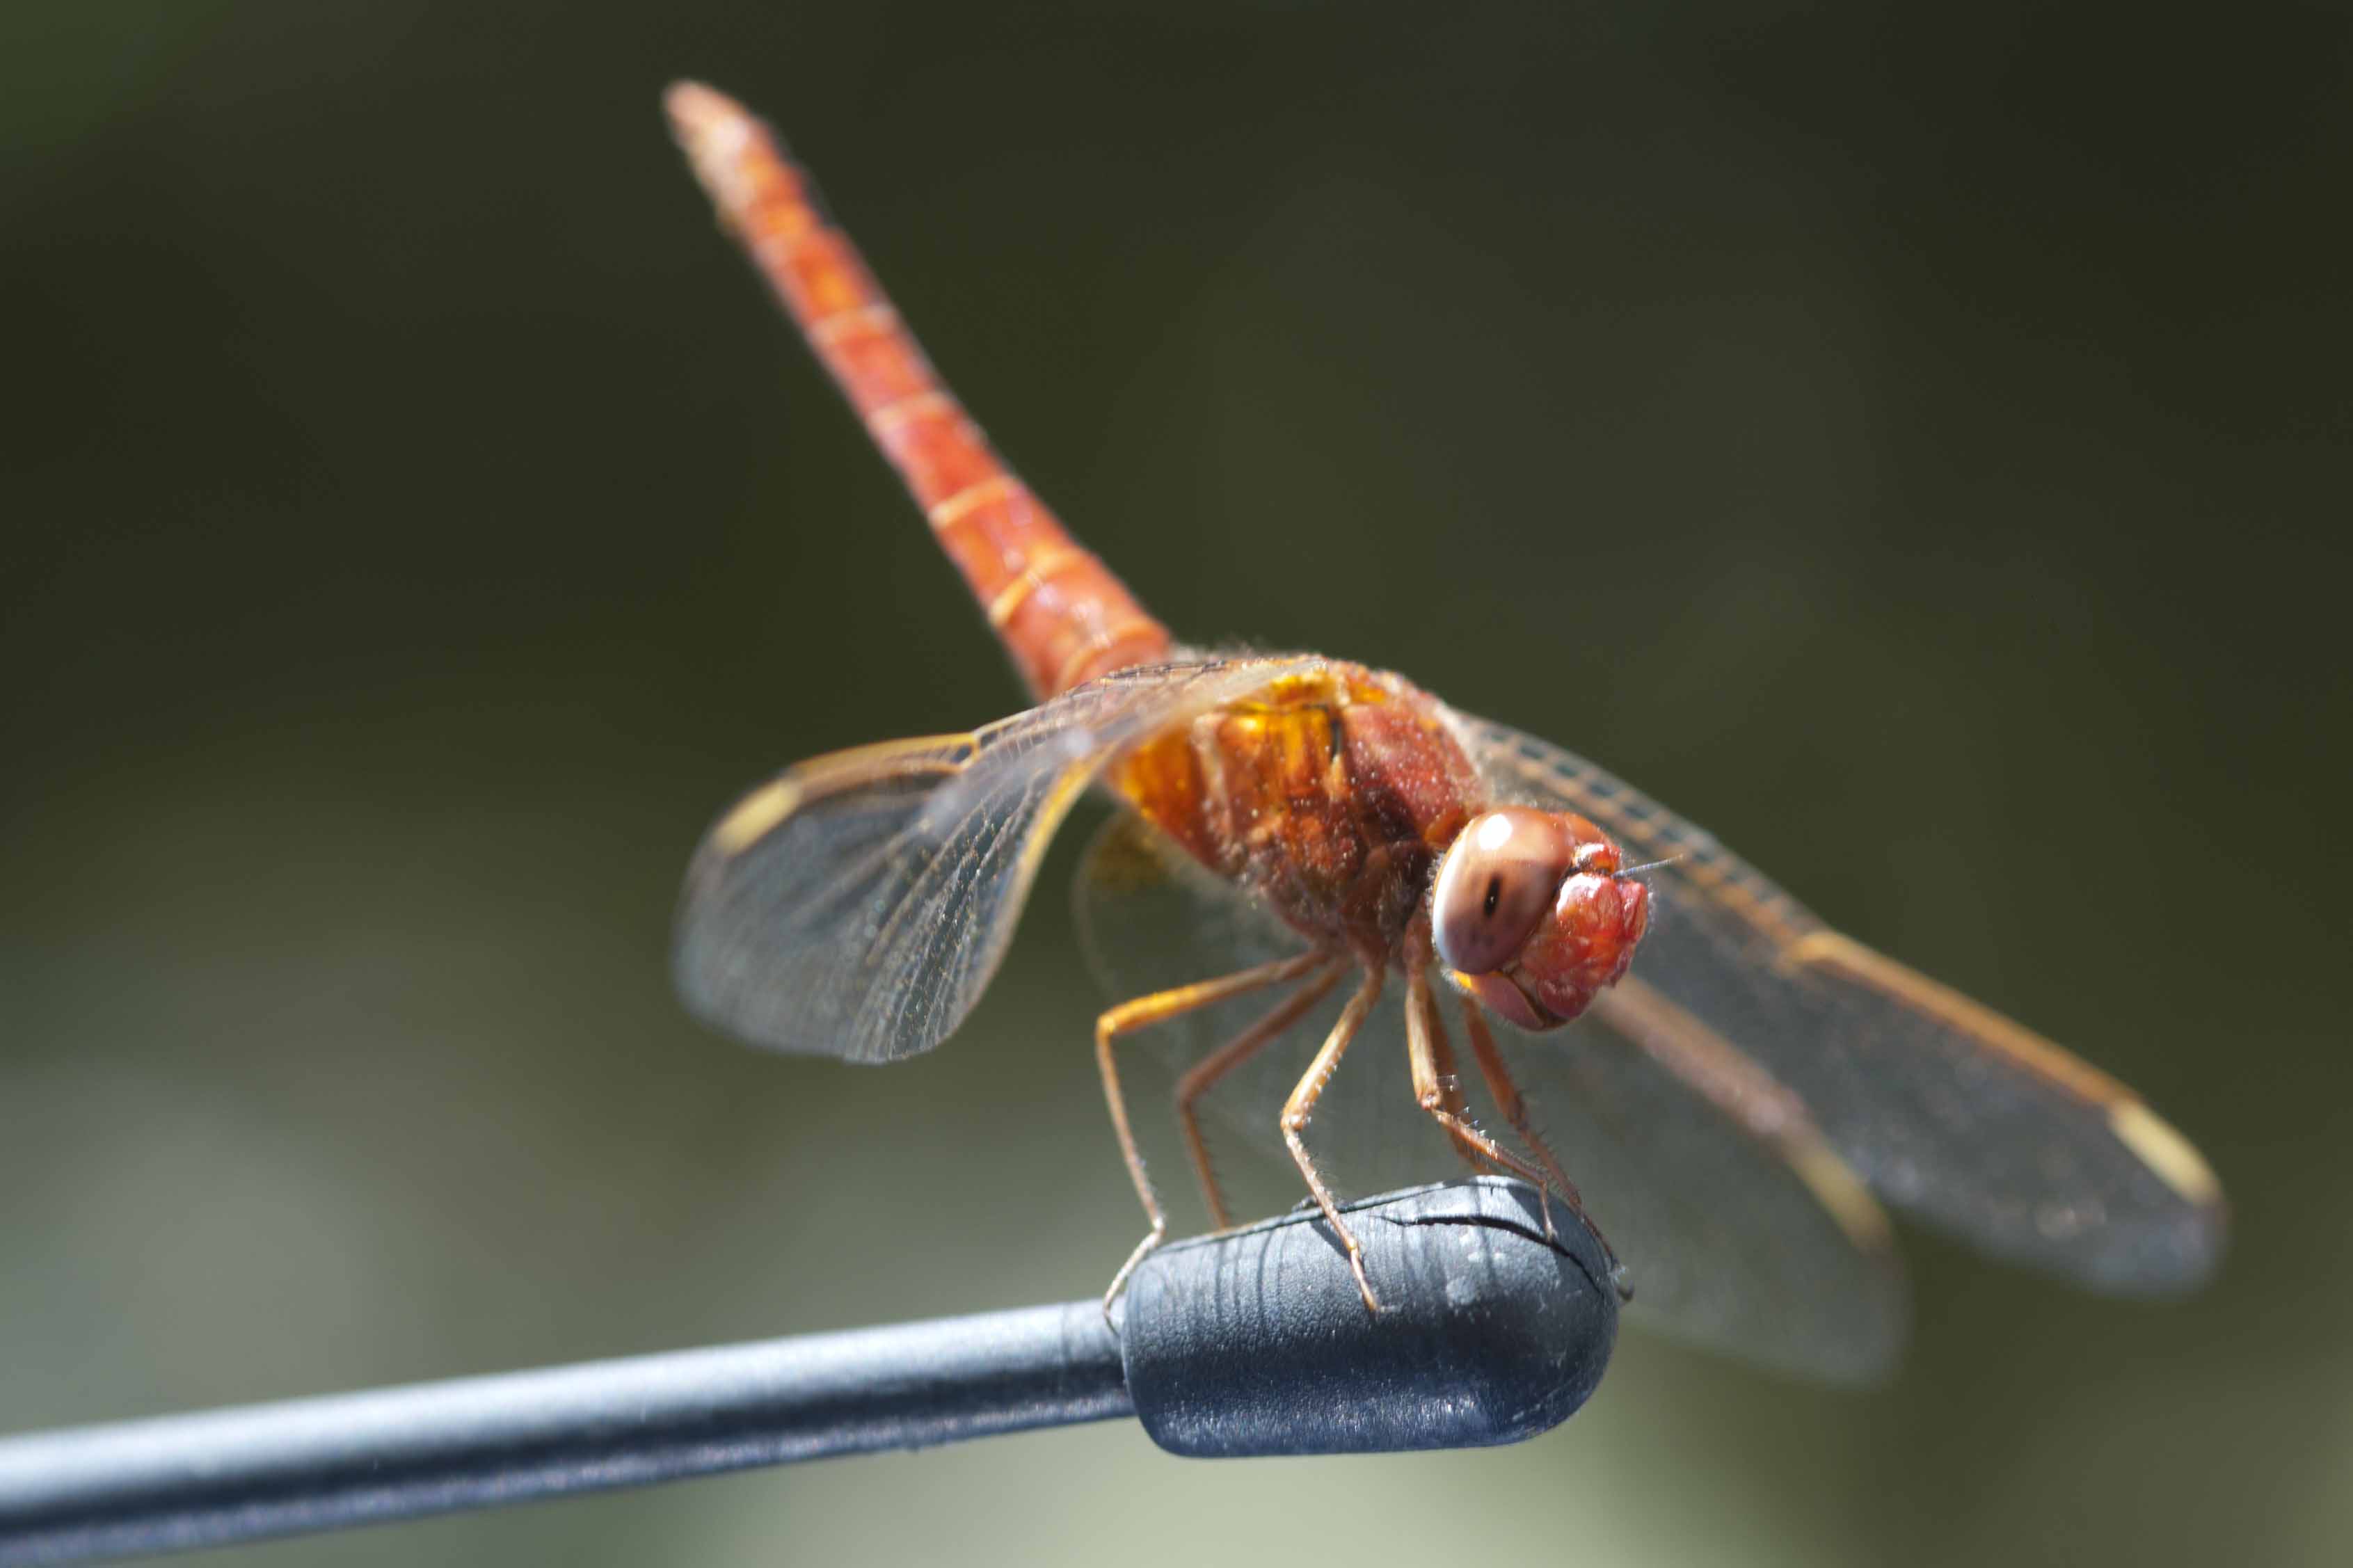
x=1946, y=1109
x=857, y=905
x=1738, y=1230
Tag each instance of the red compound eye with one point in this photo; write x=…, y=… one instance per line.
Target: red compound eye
x=1495, y=884
x=1530, y=915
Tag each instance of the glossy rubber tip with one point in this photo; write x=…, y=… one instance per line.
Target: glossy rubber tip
x=1255, y=1342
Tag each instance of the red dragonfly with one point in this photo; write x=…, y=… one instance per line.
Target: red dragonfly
x=1747, y=1077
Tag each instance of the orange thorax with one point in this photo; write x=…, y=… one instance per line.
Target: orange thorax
x=1332, y=794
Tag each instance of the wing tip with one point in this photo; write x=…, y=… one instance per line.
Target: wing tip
x=752, y=817
x=2199, y=1235
x=2172, y=1157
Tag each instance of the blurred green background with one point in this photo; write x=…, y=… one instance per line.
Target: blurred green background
x=1914, y=442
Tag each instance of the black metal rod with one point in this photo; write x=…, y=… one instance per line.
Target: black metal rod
x=358, y=1458
x=1249, y=1342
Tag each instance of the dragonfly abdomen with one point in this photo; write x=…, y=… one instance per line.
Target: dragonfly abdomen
x=1057, y=609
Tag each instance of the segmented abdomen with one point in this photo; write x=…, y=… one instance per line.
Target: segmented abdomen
x=1057, y=609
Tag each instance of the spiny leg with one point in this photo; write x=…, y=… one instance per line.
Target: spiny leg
x=1301, y=1107
x=1441, y=1052
x=1205, y=1074
x=1506, y=1097
x=1510, y=1102
x=1430, y=1090
x=1129, y=1016
x=1514, y=1106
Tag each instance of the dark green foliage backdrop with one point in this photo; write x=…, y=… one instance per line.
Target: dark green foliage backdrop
x=1913, y=441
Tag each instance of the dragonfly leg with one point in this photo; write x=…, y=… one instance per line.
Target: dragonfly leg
x=1300, y=1108
x=1514, y=1106
x=1430, y=1088
x=1203, y=1074
x=1129, y=1016
x=1441, y=1052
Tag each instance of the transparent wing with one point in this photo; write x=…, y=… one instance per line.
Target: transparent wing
x=1944, y=1108
x=1738, y=1229
x=857, y=905
x=1149, y=918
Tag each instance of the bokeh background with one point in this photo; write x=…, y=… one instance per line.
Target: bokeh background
x=1913, y=441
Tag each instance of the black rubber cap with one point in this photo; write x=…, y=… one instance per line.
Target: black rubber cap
x=1256, y=1342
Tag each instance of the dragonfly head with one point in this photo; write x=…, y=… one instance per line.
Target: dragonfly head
x=1531, y=915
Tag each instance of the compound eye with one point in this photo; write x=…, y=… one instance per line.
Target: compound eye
x=1495, y=884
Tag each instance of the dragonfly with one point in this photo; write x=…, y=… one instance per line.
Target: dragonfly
x=1752, y=1085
